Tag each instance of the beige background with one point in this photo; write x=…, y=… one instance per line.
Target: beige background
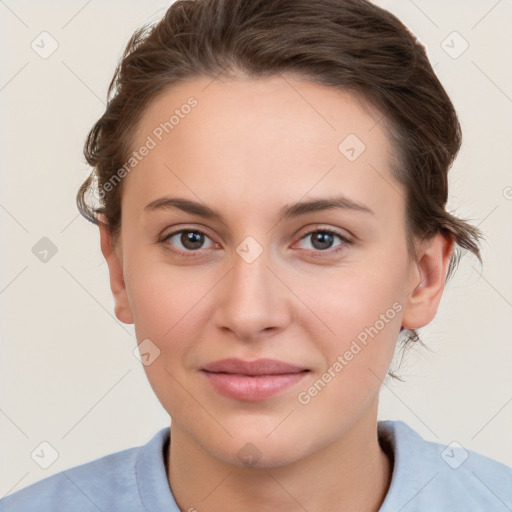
x=68, y=373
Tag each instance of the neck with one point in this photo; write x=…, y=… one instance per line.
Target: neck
x=354, y=473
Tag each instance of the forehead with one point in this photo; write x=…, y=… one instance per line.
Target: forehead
x=250, y=140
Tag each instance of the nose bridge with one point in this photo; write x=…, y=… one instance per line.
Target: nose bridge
x=252, y=299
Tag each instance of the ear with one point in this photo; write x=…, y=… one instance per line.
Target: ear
x=117, y=285
x=427, y=281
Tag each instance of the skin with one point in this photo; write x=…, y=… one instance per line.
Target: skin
x=250, y=147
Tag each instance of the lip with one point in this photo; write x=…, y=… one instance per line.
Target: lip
x=252, y=380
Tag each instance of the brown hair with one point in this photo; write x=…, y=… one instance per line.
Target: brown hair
x=352, y=45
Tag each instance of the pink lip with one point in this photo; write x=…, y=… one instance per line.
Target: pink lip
x=252, y=380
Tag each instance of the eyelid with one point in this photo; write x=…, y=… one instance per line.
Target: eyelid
x=176, y=230
x=189, y=229
x=325, y=228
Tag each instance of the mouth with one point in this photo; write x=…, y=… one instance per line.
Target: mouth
x=252, y=380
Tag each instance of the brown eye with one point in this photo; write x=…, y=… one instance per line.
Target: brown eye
x=186, y=240
x=192, y=239
x=324, y=239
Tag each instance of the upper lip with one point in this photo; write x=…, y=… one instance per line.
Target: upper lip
x=257, y=367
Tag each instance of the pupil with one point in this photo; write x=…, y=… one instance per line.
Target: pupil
x=192, y=239
x=322, y=240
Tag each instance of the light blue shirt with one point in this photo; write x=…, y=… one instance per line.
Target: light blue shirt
x=426, y=476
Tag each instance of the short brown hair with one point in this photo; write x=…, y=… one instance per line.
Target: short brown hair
x=352, y=45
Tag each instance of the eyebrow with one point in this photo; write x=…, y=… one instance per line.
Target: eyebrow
x=287, y=212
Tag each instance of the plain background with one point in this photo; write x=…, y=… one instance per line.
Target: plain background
x=68, y=373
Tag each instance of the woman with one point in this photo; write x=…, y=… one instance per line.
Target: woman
x=272, y=182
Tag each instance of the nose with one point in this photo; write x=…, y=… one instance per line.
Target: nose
x=251, y=302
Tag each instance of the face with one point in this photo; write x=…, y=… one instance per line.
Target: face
x=235, y=270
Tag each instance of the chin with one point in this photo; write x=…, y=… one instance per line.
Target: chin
x=254, y=449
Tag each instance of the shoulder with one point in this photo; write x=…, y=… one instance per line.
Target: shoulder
x=107, y=483
x=434, y=476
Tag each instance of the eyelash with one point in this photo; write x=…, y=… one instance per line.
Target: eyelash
x=317, y=253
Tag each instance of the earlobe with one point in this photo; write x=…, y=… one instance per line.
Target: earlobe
x=427, y=281
x=117, y=284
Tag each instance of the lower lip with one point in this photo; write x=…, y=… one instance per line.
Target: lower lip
x=245, y=387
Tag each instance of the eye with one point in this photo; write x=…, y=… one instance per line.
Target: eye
x=186, y=241
x=191, y=242
x=322, y=240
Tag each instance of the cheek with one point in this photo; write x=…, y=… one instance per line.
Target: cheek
x=166, y=309
x=163, y=299
x=362, y=306
x=365, y=316
x=352, y=299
